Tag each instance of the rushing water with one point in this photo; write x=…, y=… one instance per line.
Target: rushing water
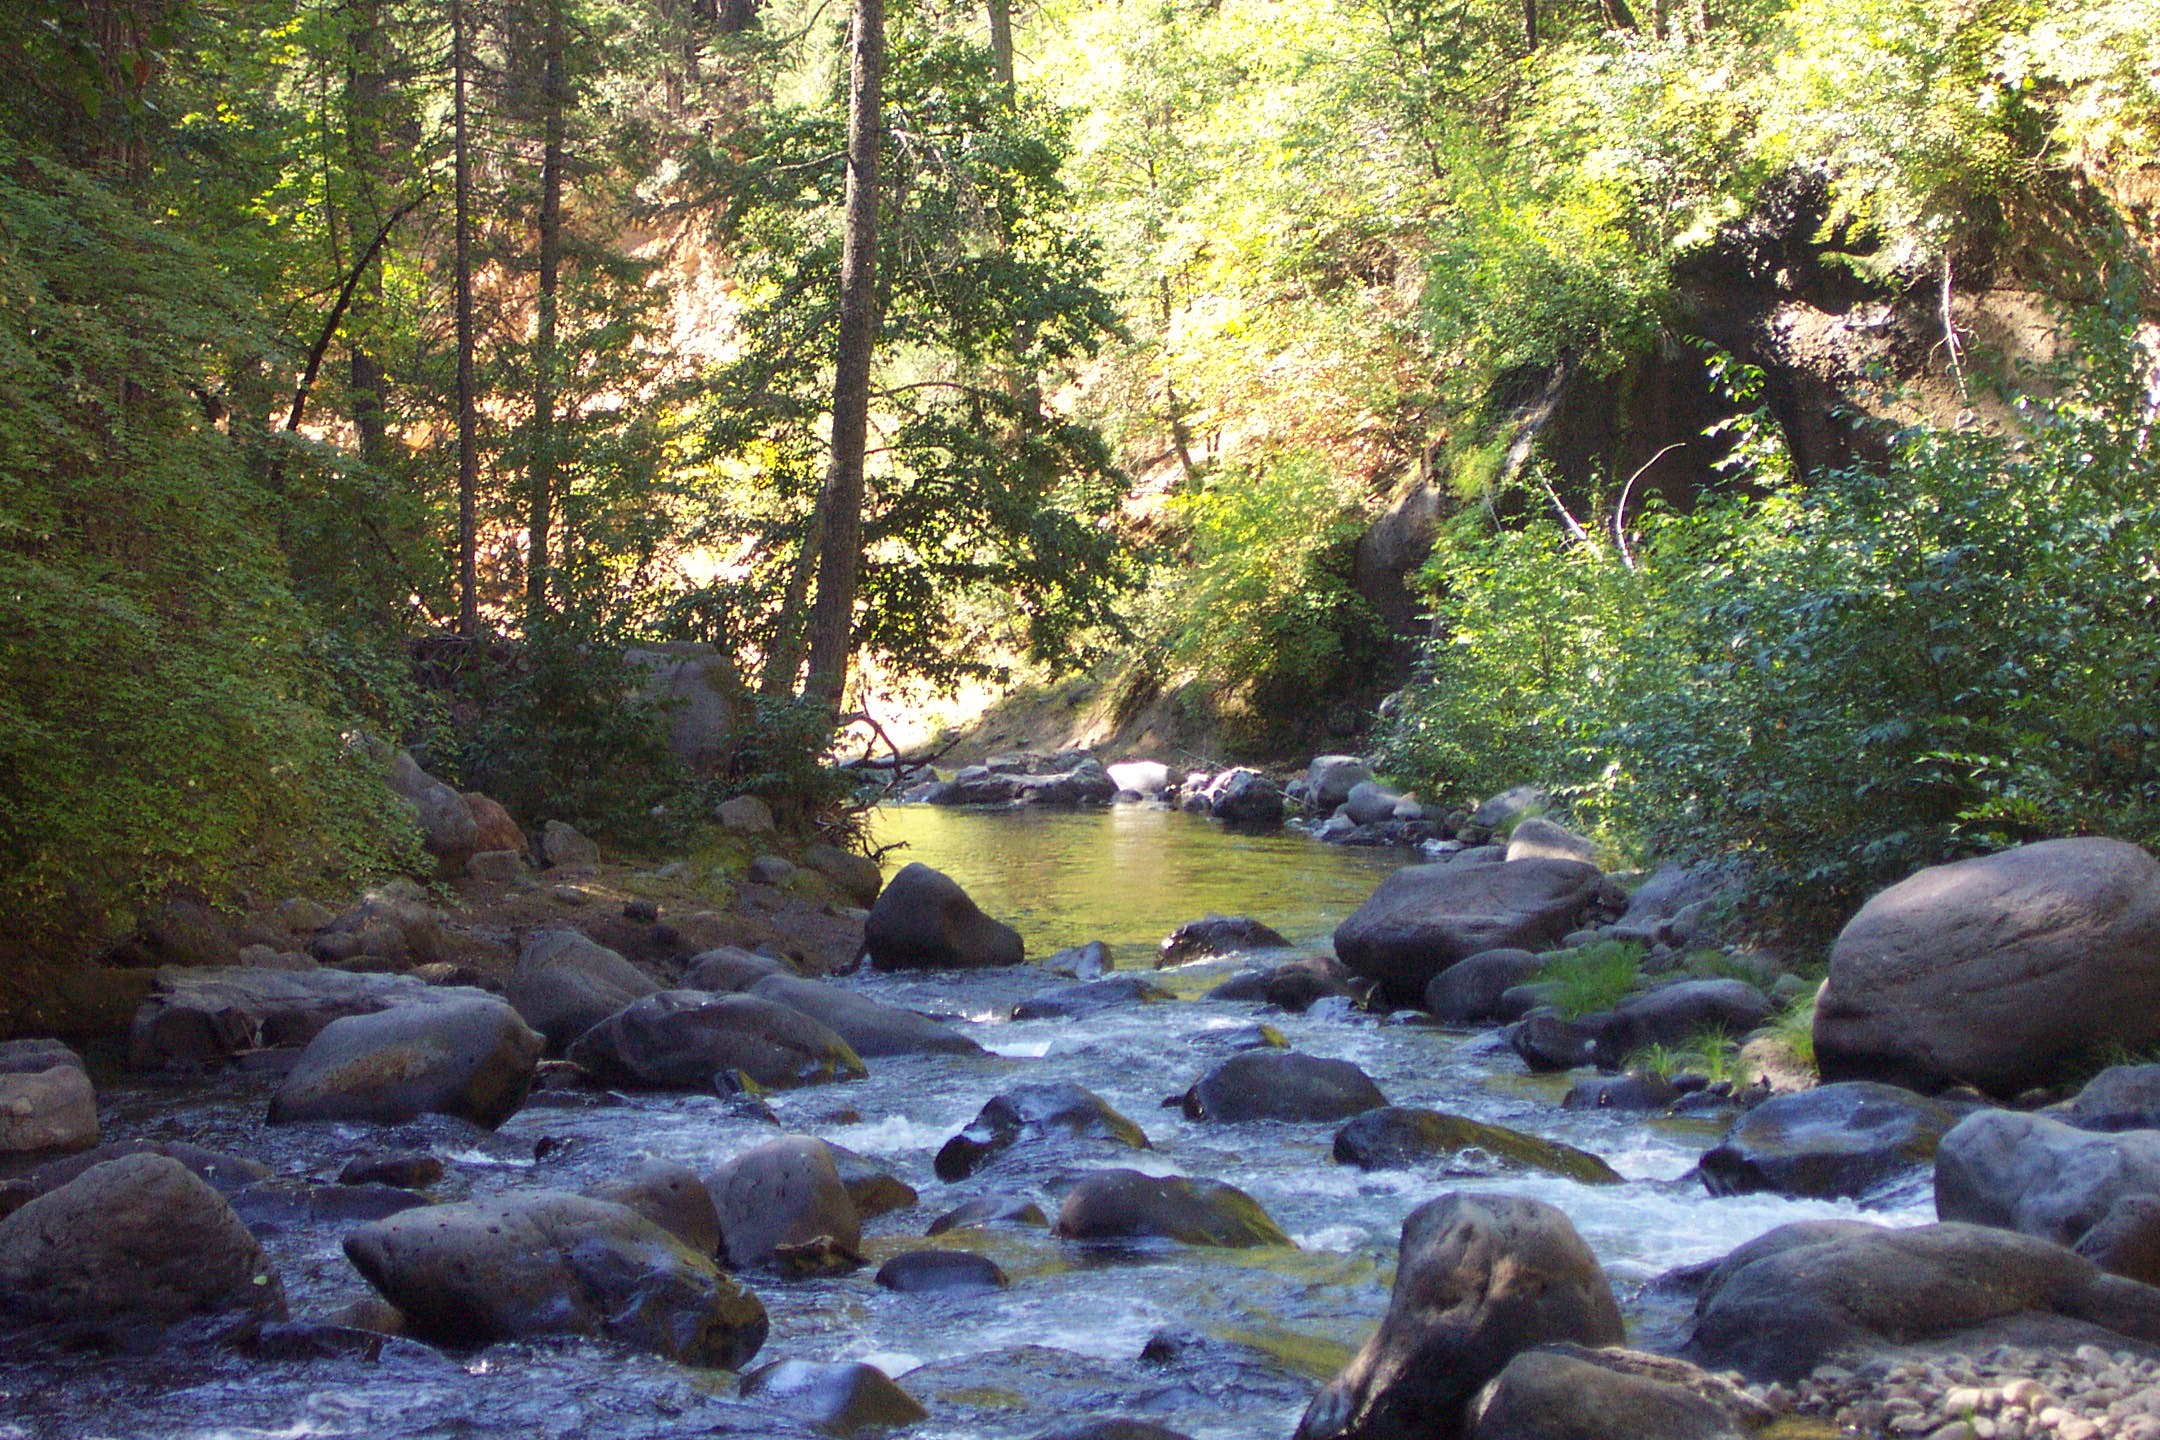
x=1066, y=1337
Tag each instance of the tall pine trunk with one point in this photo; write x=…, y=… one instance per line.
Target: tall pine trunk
x=467, y=413
x=366, y=106
x=832, y=616
x=1001, y=46
x=541, y=462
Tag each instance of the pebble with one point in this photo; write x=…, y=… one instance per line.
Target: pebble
x=2006, y=1393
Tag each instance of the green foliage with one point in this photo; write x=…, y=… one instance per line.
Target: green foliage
x=1269, y=614
x=1794, y=1027
x=1708, y=1053
x=1844, y=681
x=162, y=727
x=1594, y=977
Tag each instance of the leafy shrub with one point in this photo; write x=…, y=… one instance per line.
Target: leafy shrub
x=1593, y=977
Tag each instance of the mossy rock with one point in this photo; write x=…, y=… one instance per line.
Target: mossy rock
x=1400, y=1136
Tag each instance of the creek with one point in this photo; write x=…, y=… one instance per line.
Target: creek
x=1260, y=1328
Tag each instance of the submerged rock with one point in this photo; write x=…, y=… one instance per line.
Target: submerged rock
x=1478, y=1280
x=1127, y=1205
x=1217, y=935
x=1398, y=1137
x=1090, y=998
x=1031, y=1114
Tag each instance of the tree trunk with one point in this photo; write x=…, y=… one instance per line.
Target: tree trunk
x=540, y=468
x=467, y=412
x=366, y=126
x=1529, y=23
x=1001, y=47
x=832, y=617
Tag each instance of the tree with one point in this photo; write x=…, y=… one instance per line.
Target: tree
x=468, y=418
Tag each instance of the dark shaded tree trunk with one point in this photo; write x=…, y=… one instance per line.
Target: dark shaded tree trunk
x=366, y=121
x=1529, y=23
x=467, y=404
x=540, y=469
x=832, y=617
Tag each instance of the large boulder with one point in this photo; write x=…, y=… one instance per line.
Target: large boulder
x=206, y=1016
x=1397, y=1137
x=46, y=1100
x=1370, y=803
x=924, y=921
x=1670, y=907
x=565, y=849
x=671, y=1196
x=838, y=1397
x=684, y=1039
x=1085, y=784
x=1537, y=838
x=1424, y=918
x=1815, y=1291
x=1090, y=997
x=1052, y=1110
x=1245, y=797
x=1330, y=779
x=783, y=1198
x=1672, y=1014
x=1569, y=1392
x=857, y=876
x=2003, y=972
x=544, y=1263
x=447, y=825
x=1127, y=1205
x=729, y=969
x=697, y=684
x=1217, y=935
x=1851, y=1139
x=2039, y=1176
x=871, y=1027
x=497, y=828
x=1469, y=990
x=133, y=1244
x=471, y=1058
x=1478, y=1280
x=565, y=984
x=1281, y=1085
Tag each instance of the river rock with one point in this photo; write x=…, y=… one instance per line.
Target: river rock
x=1672, y=1014
x=785, y=1195
x=2039, y=1176
x=225, y=1173
x=1655, y=907
x=403, y=1169
x=730, y=969
x=857, y=876
x=1502, y=812
x=207, y=1016
x=2126, y=1242
x=541, y=1263
x=1082, y=962
x=838, y=1397
x=695, y=684
x=744, y=815
x=474, y=1059
x=1568, y=1392
x=447, y=826
x=1547, y=1041
x=183, y=933
x=2002, y=972
x=1397, y=1137
x=1370, y=802
x=682, y=1039
x=925, y=921
x=1217, y=935
x=1090, y=998
x=671, y=1196
x=940, y=1272
x=1127, y=1205
x=496, y=830
x=136, y=1243
x=1299, y=985
x=1046, y=1110
x=1245, y=797
x=1634, y=1091
x=1330, y=779
x=1851, y=1139
x=1469, y=991
x=1281, y=1085
x=1424, y=918
x=996, y=1208
x=1816, y=1291
x=1085, y=784
x=2121, y=1097
x=1537, y=838
x=1147, y=778
x=565, y=984
x=1478, y=1280
x=872, y=1027
x=46, y=1100
x=875, y=1189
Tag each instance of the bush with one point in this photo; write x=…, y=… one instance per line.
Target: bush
x=1593, y=978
